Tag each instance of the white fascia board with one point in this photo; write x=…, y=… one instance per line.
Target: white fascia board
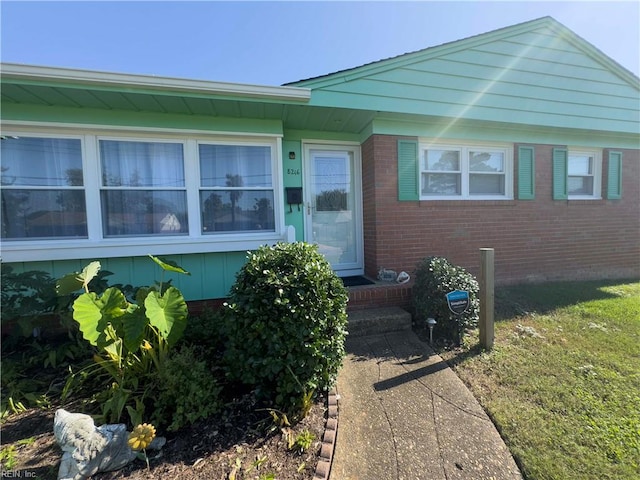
x=109, y=79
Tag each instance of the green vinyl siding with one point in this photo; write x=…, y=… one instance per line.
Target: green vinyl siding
x=560, y=174
x=407, y=170
x=212, y=274
x=614, y=178
x=546, y=90
x=487, y=96
x=526, y=173
x=538, y=73
x=523, y=114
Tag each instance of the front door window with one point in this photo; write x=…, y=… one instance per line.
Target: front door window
x=333, y=207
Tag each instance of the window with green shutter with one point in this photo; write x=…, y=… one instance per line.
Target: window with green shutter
x=526, y=173
x=577, y=174
x=614, y=179
x=449, y=170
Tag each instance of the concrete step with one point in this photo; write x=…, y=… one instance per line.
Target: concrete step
x=378, y=320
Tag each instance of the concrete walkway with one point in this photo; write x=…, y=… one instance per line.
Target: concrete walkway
x=404, y=415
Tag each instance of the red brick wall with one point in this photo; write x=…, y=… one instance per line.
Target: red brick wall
x=534, y=240
x=377, y=296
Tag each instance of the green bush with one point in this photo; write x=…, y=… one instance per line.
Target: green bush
x=205, y=330
x=285, y=324
x=434, y=278
x=186, y=390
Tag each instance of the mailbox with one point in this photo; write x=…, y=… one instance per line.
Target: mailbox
x=294, y=196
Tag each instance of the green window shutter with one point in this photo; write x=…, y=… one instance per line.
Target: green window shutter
x=560, y=174
x=526, y=173
x=407, y=170
x=614, y=180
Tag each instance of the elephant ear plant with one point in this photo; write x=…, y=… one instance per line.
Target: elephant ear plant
x=132, y=338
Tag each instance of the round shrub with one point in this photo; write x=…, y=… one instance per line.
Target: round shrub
x=285, y=324
x=434, y=278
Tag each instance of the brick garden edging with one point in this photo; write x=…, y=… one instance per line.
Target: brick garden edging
x=329, y=438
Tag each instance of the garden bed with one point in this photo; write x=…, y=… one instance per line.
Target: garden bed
x=135, y=355
x=245, y=439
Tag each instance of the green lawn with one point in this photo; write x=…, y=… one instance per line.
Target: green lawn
x=563, y=380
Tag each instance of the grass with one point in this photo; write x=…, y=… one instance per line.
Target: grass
x=563, y=380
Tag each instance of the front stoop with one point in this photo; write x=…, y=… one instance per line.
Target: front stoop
x=380, y=295
x=378, y=320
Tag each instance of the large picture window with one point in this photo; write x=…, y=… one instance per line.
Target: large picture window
x=113, y=194
x=42, y=188
x=236, y=188
x=465, y=172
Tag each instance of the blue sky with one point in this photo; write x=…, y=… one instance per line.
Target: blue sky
x=271, y=43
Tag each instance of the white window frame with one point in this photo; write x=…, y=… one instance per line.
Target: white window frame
x=83, y=150
x=596, y=154
x=244, y=189
x=104, y=188
x=464, y=148
x=97, y=246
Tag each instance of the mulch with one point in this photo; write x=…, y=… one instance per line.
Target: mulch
x=243, y=443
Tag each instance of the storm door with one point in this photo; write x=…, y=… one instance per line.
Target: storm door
x=333, y=205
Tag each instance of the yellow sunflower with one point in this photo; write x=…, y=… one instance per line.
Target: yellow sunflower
x=141, y=436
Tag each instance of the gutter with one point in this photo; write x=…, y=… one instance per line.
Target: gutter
x=92, y=78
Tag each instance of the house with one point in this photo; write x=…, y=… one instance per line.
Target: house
x=524, y=139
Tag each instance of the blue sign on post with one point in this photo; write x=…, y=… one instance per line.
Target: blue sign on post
x=458, y=301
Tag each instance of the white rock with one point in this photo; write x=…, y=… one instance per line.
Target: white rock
x=89, y=449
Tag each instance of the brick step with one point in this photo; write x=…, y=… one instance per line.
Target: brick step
x=378, y=320
x=380, y=295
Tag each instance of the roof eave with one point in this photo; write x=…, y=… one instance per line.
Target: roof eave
x=89, y=78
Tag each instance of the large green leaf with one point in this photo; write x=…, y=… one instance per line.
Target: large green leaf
x=134, y=323
x=68, y=284
x=94, y=313
x=114, y=351
x=75, y=281
x=167, y=313
x=86, y=312
x=169, y=265
x=89, y=272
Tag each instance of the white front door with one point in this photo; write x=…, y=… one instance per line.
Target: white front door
x=333, y=205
